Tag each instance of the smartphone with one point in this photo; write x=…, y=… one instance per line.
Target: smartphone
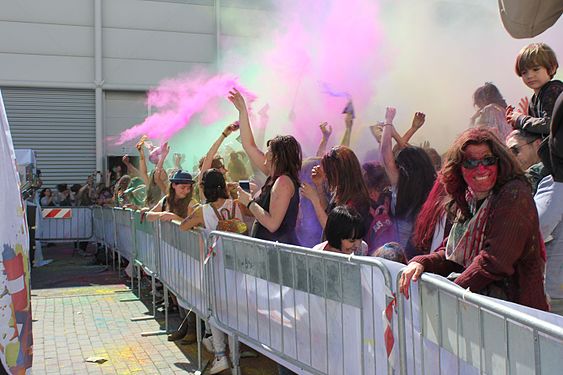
x=244, y=185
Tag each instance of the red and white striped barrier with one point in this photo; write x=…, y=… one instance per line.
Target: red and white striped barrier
x=56, y=213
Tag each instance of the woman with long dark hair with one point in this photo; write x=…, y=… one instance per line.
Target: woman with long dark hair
x=177, y=204
x=491, y=109
x=412, y=176
x=277, y=205
x=495, y=243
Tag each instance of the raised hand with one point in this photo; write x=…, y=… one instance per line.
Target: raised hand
x=309, y=192
x=125, y=159
x=141, y=143
x=377, y=131
x=524, y=105
x=418, y=120
x=326, y=129
x=390, y=113
x=318, y=175
x=165, y=150
x=231, y=128
x=237, y=99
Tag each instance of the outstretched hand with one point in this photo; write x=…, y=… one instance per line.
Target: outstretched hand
x=125, y=159
x=165, y=150
x=411, y=272
x=418, y=120
x=390, y=113
x=326, y=130
x=237, y=99
x=231, y=128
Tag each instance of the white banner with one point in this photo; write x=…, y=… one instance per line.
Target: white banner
x=15, y=304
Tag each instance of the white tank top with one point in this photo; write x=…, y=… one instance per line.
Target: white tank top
x=211, y=220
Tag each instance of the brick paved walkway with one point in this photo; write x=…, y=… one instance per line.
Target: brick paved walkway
x=77, y=314
x=72, y=324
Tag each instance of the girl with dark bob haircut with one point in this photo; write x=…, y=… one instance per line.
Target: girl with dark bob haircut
x=277, y=206
x=344, y=231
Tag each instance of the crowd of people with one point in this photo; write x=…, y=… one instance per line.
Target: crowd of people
x=488, y=213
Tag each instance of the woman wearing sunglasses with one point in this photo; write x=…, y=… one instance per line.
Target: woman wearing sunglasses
x=495, y=244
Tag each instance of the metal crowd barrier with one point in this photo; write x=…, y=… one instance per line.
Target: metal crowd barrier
x=181, y=266
x=309, y=310
x=124, y=233
x=447, y=330
x=98, y=224
x=323, y=313
x=64, y=224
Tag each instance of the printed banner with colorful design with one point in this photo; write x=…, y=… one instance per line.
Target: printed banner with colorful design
x=16, y=339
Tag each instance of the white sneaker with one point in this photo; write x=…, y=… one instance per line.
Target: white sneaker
x=220, y=364
x=208, y=344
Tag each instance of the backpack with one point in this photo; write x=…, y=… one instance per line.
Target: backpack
x=228, y=222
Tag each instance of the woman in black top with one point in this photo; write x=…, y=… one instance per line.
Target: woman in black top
x=277, y=205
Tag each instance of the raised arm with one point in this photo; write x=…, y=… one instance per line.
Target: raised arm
x=349, y=122
x=247, y=138
x=160, y=176
x=212, y=152
x=387, y=157
x=326, y=131
x=417, y=121
x=131, y=169
x=143, y=171
x=281, y=194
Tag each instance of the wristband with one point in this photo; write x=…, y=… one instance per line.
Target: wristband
x=224, y=135
x=250, y=203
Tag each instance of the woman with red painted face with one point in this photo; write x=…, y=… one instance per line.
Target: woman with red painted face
x=495, y=243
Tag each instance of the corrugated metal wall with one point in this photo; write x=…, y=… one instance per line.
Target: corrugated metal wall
x=59, y=124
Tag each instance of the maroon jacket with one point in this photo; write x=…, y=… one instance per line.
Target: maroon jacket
x=511, y=251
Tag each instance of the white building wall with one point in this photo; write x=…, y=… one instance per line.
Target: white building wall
x=52, y=44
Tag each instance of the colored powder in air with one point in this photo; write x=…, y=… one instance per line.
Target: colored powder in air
x=177, y=101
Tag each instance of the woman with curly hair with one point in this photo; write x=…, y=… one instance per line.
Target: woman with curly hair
x=495, y=243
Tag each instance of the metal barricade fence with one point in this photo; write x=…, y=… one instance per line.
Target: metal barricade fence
x=146, y=250
x=323, y=312
x=305, y=309
x=124, y=233
x=181, y=266
x=109, y=227
x=98, y=223
x=58, y=224
x=445, y=329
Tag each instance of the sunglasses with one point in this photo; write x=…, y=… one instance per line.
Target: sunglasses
x=474, y=163
x=516, y=148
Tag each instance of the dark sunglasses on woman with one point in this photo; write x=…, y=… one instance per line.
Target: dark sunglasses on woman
x=474, y=163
